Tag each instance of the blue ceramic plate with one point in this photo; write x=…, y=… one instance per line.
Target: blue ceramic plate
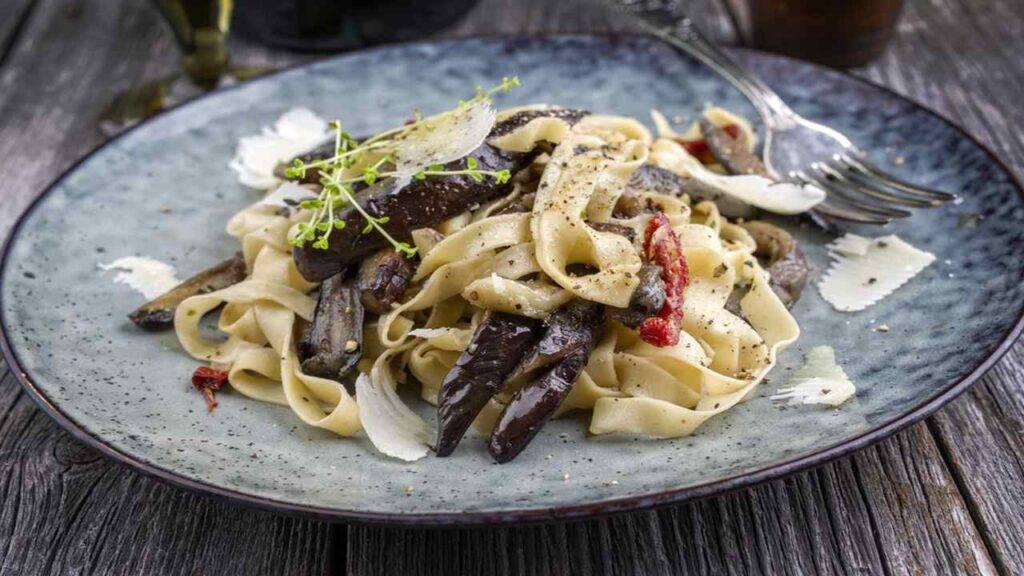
x=127, y=392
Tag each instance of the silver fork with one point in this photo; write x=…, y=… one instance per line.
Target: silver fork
x=795, y=148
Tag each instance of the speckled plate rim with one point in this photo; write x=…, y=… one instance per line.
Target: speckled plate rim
x=779, y=469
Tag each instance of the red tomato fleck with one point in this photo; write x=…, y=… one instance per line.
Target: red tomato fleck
x=662, y=247
x=699, y=148
x=208, y=381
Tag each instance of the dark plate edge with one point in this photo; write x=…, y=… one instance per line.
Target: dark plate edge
x=478, y=518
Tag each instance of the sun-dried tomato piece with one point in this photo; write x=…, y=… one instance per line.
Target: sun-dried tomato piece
x=208, y=381
x=662, y=247
x=699, y=148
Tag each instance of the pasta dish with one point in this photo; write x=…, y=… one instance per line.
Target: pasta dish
x=506, y=266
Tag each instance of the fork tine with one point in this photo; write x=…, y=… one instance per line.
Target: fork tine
x=833, y=210
x=869, y=186
x=866, y=169
x=858, y=196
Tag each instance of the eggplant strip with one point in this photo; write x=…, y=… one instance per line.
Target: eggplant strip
x=333, y=343
x=158, y=314
x=497, y=344
x=407, y=206
x=787, y=266
x=382, y=279
x=732, y=153
x=523, y=117
x=647, y=299
x=412, y=204
x=570, y=337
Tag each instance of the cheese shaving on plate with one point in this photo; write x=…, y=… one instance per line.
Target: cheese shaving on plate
x=850, y=245
x=819, y=381
x=147, y=276
x=865, y=270
x=393, y=428
x=296, y=132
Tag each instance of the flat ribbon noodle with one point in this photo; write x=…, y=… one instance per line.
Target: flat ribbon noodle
x=519, y=263
x=259, y=318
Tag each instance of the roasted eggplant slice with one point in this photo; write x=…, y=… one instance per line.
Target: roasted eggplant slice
x=412, y=204
x=787, y=266
x=524, y=117
x=158, y=314
x=383, y=278
x=333, y=343
x=789, y=276
x=647, y=298
x=562, y=335
x=407, y=206
x=496, y=346
x=731, y=153
x=562, y=352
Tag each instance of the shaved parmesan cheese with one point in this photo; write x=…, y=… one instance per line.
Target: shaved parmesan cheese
x=443, y=138
x=819, y=381
x=777, y=197
x=145, y=275
x=296, y=132
x=393, y=428
x=861, y=276
x=287, y=195
x=850, y=245
x=764, y=193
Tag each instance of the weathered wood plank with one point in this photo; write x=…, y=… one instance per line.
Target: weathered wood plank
x=972, y=73
x=71, y=60
x=920, y=518
x=891, y=509
x=13, y=14
x=64, y=508
x=982, y=440
x=855, y=516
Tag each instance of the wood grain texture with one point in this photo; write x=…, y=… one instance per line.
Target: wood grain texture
x=891, y=509
x=13, y=16
x=65, y=509
x=942, y=497
x=973, y=74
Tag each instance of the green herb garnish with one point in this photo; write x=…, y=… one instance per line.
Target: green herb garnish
x=374, y=156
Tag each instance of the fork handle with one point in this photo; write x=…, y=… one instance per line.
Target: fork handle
x=685, y=36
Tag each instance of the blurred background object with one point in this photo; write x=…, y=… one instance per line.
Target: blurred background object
x=200, y=29
x=332, y=25
x=836, y=33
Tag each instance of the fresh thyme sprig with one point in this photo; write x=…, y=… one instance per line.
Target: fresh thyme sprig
x=336, y=179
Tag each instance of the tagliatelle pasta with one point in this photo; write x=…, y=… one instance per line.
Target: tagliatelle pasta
x=529, y=253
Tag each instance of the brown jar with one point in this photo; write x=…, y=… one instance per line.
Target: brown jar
x=837, y=33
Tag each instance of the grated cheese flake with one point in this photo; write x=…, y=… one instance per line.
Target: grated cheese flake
x=862, y=275
x=296, y=132
x=819, y=381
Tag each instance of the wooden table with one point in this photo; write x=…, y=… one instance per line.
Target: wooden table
x=943, y=496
